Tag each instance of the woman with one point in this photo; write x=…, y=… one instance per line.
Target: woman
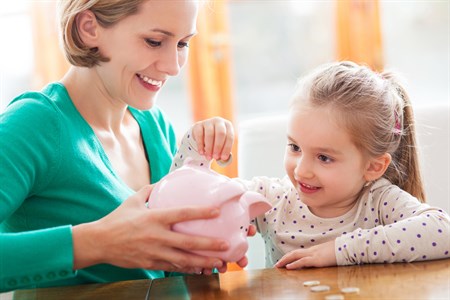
x=73, y=152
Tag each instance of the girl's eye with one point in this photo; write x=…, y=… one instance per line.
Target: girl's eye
x=324, y=158
x=183, y=45
x=152, y=43
x=294, y=147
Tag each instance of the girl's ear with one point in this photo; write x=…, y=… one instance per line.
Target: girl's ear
x=377, y=166
x=87, y=27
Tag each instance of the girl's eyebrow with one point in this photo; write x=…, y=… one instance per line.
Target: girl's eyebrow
x=319, y=149
x=328, y=150
x=290, y=139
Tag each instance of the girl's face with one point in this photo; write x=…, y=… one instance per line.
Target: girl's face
x=145, y=49
x=322, y=162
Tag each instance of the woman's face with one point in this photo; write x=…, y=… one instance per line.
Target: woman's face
x=145, y=49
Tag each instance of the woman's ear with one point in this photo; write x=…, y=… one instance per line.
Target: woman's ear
x=377, y=166
x=87, y=27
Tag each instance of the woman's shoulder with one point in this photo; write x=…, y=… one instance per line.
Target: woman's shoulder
x=35, y=104
x=154, y=120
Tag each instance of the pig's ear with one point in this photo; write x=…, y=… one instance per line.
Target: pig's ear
x=257, y=203
x=228, y=191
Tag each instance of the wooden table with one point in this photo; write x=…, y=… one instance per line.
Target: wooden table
x=420, y=280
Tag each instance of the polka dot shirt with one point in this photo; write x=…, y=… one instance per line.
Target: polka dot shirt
x=386, y=225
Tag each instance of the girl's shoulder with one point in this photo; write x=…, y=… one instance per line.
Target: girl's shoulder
x=383, y=188
x=274, y=189
x=383, y=193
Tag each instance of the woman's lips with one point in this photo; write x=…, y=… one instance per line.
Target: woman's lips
x=148, y=83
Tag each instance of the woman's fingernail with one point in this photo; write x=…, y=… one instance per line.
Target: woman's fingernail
x=215, y=212
x=218, y=264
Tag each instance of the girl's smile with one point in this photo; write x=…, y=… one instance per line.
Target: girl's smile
x=307, y=189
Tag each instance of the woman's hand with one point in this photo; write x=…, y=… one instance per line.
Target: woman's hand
x=322, y=255
x=214, y=138
x=243, y=262
x=133, y=236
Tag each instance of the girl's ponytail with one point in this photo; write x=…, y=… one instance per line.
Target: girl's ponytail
x=404, y=170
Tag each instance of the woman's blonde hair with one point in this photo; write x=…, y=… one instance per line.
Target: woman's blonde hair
x=107, y=12
x=376, y=111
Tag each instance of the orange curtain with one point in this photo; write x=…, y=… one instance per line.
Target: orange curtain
x=210, y=71
x=359, y=32
x=210, y=74
x=50, y=64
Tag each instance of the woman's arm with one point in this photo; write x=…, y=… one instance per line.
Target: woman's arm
x=134, y=236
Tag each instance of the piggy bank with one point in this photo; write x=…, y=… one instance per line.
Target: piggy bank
x=195, y=184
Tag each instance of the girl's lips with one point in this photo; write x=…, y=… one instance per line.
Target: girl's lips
x=308, y=189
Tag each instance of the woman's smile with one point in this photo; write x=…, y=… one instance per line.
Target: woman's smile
x=149, y=84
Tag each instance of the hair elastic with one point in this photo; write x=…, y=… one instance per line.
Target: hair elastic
x=398, y=125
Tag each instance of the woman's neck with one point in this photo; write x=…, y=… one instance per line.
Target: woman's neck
x=92, y=100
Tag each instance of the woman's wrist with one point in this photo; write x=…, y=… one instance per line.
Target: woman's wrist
x=86, y=245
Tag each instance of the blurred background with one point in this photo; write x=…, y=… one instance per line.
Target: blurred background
x=248, y=54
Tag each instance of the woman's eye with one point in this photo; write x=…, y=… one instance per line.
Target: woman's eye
x=294, y=147
x=183, y=45
x=324, y=158
x=152, y=43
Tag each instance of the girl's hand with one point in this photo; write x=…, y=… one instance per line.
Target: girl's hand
x=214, y=138
x=133, y=236
x=322, y=255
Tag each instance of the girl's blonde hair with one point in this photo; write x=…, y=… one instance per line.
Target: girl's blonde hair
x=375, y=110
x=107, y=12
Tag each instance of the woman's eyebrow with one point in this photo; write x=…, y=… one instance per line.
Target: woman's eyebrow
x=168, y=33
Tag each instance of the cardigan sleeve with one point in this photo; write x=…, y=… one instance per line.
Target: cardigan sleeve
x=35, y=257
x=29, y=157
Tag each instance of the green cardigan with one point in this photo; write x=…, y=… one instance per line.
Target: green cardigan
x=55, y=174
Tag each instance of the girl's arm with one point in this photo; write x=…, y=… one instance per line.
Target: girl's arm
x=408, y=231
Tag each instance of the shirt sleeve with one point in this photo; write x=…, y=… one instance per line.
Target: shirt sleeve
x=31, y=258
x=29, y=135
x=188, y=150
x=408, y=231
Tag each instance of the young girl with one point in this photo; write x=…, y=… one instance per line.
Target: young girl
x=353, y=192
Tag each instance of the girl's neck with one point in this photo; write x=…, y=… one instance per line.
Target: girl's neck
x=335, y=210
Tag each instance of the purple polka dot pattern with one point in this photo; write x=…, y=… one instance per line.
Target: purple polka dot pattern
x=381, y=233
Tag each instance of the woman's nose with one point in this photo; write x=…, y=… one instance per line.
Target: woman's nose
x=169, y=62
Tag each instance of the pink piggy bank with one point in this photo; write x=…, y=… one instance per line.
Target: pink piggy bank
x=195, y=184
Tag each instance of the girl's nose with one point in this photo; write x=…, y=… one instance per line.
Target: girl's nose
x=303, y=169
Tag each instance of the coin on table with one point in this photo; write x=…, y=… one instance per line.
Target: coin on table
x=334, y=297
x=350, y=290
x=224, y=163
x=320, y=288
x=311, y=283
